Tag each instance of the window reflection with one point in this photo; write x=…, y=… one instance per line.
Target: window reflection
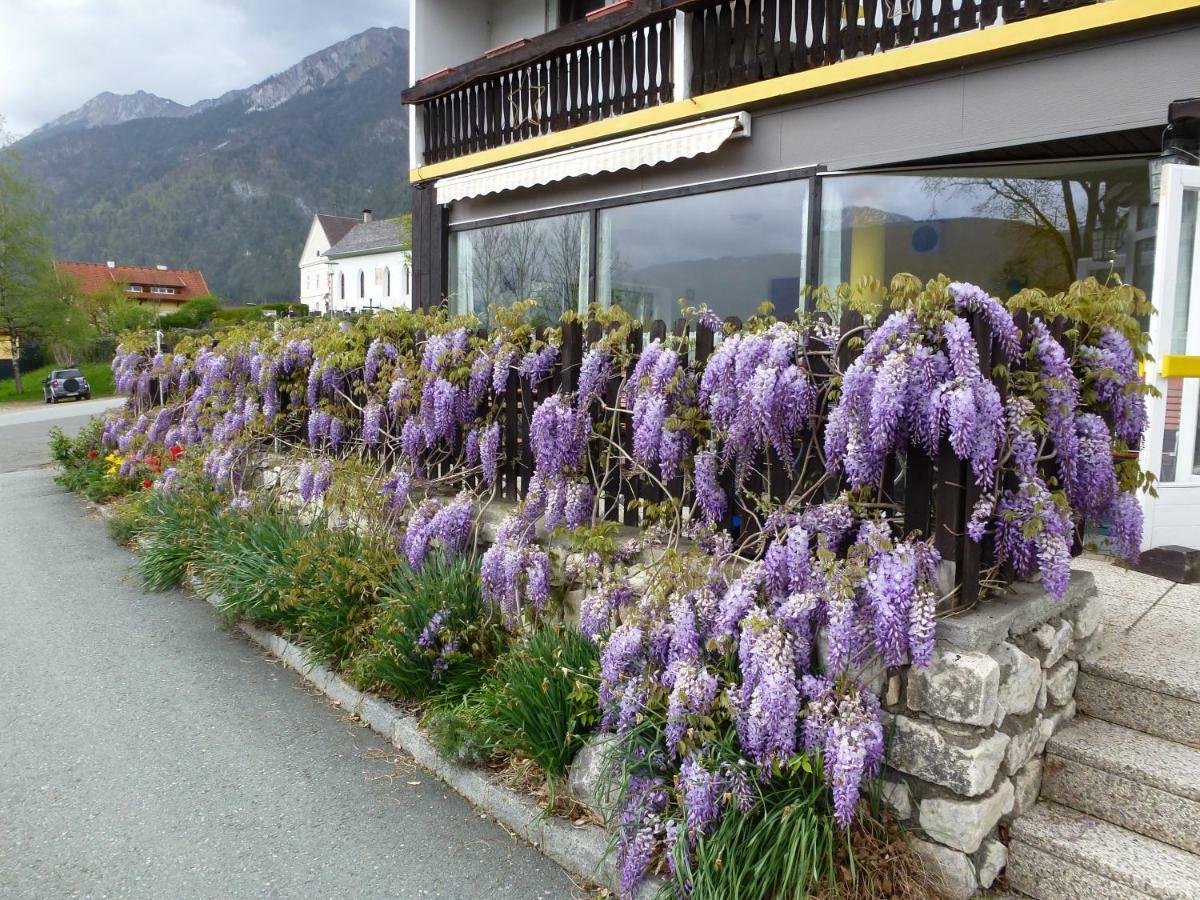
x=1005, y=228
x=545, y=260
x=730, y=250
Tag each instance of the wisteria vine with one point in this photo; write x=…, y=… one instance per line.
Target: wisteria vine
x=710, y=631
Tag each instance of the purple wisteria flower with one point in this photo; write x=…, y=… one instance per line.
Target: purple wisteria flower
x=372, y=424
x=844, y=724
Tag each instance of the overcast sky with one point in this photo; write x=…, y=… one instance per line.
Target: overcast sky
x=57, y=54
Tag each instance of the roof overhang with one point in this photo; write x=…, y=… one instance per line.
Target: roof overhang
x=646, y=149
x=370, y=251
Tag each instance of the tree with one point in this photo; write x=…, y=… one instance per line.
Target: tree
x=30, y=306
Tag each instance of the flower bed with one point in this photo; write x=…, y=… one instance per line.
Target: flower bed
x=790, y=483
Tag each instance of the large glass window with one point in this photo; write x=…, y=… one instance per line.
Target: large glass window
x=731, y=250
x=546, y=260
x=1004, y=228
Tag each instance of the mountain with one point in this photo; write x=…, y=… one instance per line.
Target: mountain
x=229, y=185
x=113, y=109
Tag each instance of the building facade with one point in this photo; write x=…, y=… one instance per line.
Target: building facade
x=163, y=288
x=731, y=152
x=352, y=266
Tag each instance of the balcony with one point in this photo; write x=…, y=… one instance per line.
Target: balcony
x=642, y=53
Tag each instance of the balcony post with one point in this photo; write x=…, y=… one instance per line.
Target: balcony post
x=681, y=53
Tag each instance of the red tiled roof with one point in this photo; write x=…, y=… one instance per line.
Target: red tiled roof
x=92, y=277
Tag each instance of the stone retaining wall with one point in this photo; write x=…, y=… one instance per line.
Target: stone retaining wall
x=966, y=735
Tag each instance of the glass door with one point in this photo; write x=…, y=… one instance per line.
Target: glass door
x=1171, y=450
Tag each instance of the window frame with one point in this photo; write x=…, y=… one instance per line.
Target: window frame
x=593, y=207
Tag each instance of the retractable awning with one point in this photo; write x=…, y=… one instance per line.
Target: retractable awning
x=646, y=149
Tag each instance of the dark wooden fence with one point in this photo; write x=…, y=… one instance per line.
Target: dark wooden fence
x=933, y=496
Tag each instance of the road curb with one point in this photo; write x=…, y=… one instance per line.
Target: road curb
x=581, y=851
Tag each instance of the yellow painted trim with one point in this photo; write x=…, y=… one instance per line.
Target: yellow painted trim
x=971, y=45
x=1179, y=367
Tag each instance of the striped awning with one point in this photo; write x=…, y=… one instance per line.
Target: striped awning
x=646, y=149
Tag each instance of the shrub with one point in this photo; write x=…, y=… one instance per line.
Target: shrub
x=432, y=628
x=129, y=517
x=537, y=699
x=86, y=468
x=335, y=576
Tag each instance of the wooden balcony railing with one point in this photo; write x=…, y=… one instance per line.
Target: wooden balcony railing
x=581, y=73
x=623, y=60
x=736, y=42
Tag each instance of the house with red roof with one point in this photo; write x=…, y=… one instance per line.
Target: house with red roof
x=167, y=288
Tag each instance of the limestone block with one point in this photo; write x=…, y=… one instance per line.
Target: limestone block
x=898, y=798
x=1051, y=723
x=963, y=824
x=1020, y=678
x=1086, y=616
x=1052, y=641
x=951, y=870
x=1090, y=647
x=1024, y=746
x=1027, y=784
x=591, y=780
x=965, y=763
x=990, y=860
x=1060, y=681
x=958, y=687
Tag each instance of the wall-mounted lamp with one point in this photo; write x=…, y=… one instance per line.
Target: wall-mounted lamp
x=1180, y=141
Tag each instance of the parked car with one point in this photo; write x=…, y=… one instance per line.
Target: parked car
x=63, y=383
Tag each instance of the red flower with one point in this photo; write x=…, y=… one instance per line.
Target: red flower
x=176, y=452
x=146, y=483
x=92, y=454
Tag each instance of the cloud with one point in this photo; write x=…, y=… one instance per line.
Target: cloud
x=56, y=55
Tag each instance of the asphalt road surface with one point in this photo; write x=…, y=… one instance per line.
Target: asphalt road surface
x=23, y=433
x=147, y=751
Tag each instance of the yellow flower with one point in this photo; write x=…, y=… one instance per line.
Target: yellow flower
x=114, y=463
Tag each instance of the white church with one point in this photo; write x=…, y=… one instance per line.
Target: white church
x=356, y=265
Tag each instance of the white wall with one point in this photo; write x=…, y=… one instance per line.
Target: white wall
x=375, y=267
x=452, y=32
x=315, y=269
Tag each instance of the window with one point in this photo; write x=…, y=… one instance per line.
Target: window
x=362, y=284
x=545, y=260
x=342, y=285
x=387, y=281
x=135, y=289
x=162, y=290
x=1002, y=227
x=407, y=280
x=731, y=250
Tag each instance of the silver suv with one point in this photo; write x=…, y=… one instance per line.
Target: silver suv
x=63, y=383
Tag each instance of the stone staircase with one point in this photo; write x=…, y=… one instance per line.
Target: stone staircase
x=1119, y=813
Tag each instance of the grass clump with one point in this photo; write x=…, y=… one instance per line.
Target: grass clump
x=247, y=559
x=538, y=699
x=175, y=530
x=433, y=629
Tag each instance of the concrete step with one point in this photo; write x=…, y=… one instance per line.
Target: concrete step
x=1109, y=694
x=1135, y=780
x=1056, y=852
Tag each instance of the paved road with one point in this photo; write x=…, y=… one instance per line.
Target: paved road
x=145, y=751
x=23, y=433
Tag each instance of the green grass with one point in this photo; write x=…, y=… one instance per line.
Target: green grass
x=99, y=376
